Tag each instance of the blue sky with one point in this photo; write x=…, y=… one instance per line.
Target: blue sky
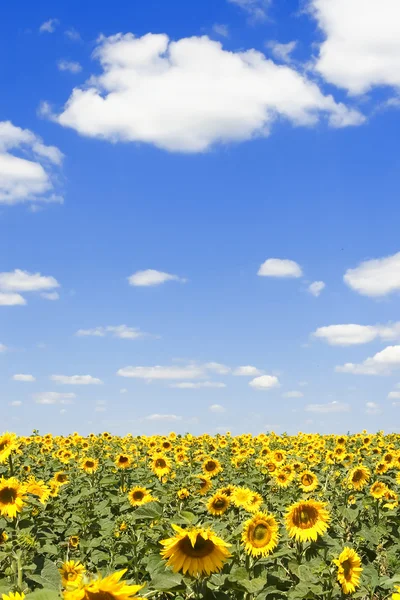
x=187, y=145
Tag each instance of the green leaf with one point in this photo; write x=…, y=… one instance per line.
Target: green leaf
x=44, y=594
x=49, y=577
x=254, y=585
x=152, y=510
x=166, y=581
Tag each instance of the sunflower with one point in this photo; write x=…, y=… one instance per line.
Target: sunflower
x=73, y=541
x=8, y=443
x=13, y=596
x=3, y=537
x=139, y=495
x=12, y=496
x=227, y=490
x=218, y=504
x=349, y=570
x=241, y=497
x=60, y=478
x=89, y=465
x=306, y=520
x=378, y=489
x=183, y=493
x=308, y=481
x=260, y=534
x=391, y=499
x=359, y=477
x=38, y=488
x=205, y=484
x=160, y=466
x=282, y=479
x=254, y=502
x=107, y=588
x=123, y=461
x=396, y=595
x=71, y=573
x=211, y=467
x=195, y=551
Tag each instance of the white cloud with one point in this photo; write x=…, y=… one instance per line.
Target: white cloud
x=361, y=48
x=293, y=394
x=189, y=94
x=27, y=178
x=158, y=372
x=23, y=377
x=221, y=29
x=76, y=380
x=72, y=34
x=394, y=395
x=330, y=407
x=376, y=277
x=278, y=267
x=3, y=348
x=216, y=408
x=123, y=391
x=69, y=65
x=118, y=331
x=247, y=371
x=50, y=295
x=158, y=417
x=382, y=363
x=11, y=299
x=264, y=382
x=54, y=398
x=23, y=281
x=49, y=26
x=151, y=277
x=351, y=334
x=373, y=409
x=303, y=383
x=316, y=287
x=217, y=368
x=190, y=385
x=281, y=52
x=15, y=403
x=256, y=9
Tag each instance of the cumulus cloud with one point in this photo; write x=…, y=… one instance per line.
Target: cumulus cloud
x=49, y=26
x=11, y=299
x=159, y=372
x=152, y=277
x=376, y=277
x=54, y=398
x=30, y=177
x=280, y=267
x=350, y=334
x=316, y=287
x=330, y=407
x=190, y=94
x=382, y=363
x=264, y=382
x=293, y=394
x=69, y=65
x=372, y=408
x=247, y=371
x=217, y=368
x=119, y=331
x=216, y=408
x=23, y=281
x=76, y=380
x=281, y=52
x=159, y=417
x=23, y=377
x=191, y=385
x=361, y=46
x=256, y=9
x=394, y=394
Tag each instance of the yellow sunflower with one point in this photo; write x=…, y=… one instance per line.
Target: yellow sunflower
x=89, y=465
x=241, y=496
x=349, y=570
x=71, y=573
x=195, y=551
x=123, y=461
x=211, y=467
x=260, y=534
x=60, y=478
x=396, y=595
x=13, y=596
x=139, y=495
x=12, y=496
x=254, y=502
x=160, y=466
x=378, y=489
x=308, y=481
x=38, y=488
x=218, y=504
x=107, y=588
x=306, y=520
x=205, y=484
x=73, y=541
x=282, y=479
x=359, y=477
x=8, y=443
x=183, y=493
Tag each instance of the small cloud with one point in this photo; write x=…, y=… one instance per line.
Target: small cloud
x=72, y=34
x=377, y=277
x=15, y=403
x=158, y=417
x=123, y=391
x=264, y=382
x=23, y=281
x=23, y=377
x=151, y=277
x=293, y=394
x=330, y=407
x=221, y=30
x=190, y=385
x=303, y=383
x=280, y=267
x=217, y=368
x=349, y=334
x=69, y=65
x=247, y=371
x=76, y=380
x=54, y=398
x=7, y=299
x=316, y=288
x=382, y=363
x=50, y=295
x=281, y=52
x=373, y=409
x=49, y=26
x=118, y=331
x=216, y=408
x=256, y=9
x=394, y=395
x=3, y=348
x=158, y=372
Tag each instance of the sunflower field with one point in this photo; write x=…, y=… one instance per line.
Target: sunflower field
x=211, y=517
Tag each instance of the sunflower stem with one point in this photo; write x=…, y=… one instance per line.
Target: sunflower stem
x=11, y=465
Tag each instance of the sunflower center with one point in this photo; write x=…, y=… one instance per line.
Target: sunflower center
x=3, y=445
x=160, y=463
x=307, y=480
x=305, y=517
x=219, y=503
x=61, y=478
x=261, y=534
x=100, y=595
x=200, y=549
x=8, y=495
x=72, y=576
x=347, y=569
x=89, y=464
x=210, y=466
x=138, y=495
x=358, y=476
